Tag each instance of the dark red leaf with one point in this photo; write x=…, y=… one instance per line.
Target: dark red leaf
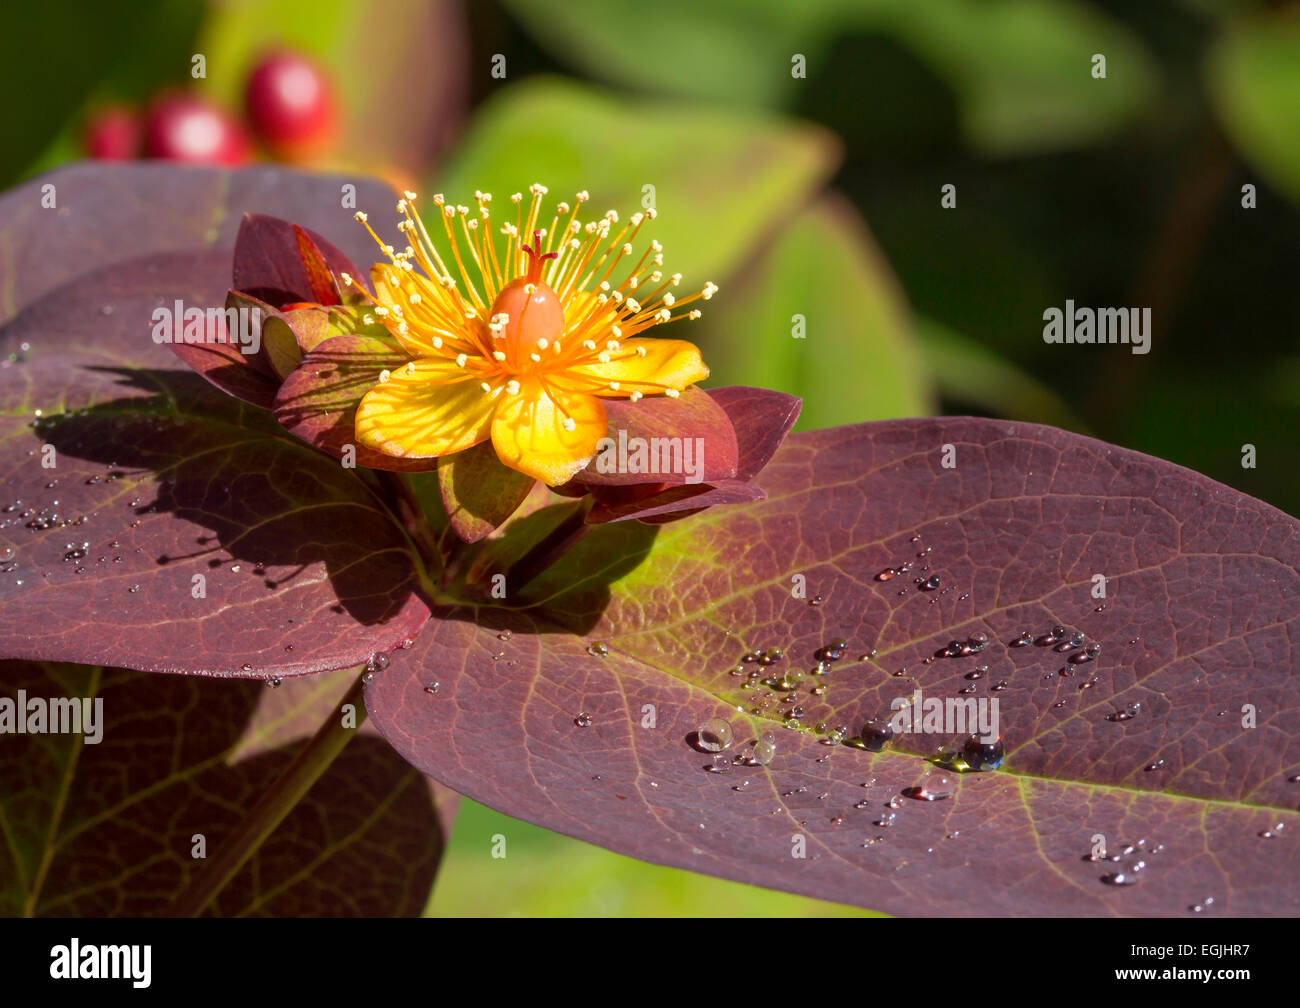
x=692, y=415
x=324, y=288
x=111, y=211
x=282, y=263
x=318, y=402
x=479, y=492
x=678, y=501
x=108, y=828
x=158, y=478
x=761, y=418
x=1202, y=617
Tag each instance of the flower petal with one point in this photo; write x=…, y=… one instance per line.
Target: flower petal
x=529, y=434
x=665, y=363
x=318, y=401
x=425, y=409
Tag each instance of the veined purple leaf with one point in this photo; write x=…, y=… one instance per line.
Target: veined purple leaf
x=479, y=491
x=281, y=263
x=318, y=401
x=693, y=422
x=107, y=212
x=150, y=521
x=931, y=549
x=109, y=826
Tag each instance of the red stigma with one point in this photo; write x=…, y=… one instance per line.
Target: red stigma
x=534, y=274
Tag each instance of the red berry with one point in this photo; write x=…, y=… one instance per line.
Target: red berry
x=113, y=134
x=189, y=128
x=290, y=104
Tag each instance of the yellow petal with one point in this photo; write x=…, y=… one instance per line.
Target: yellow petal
x=528, y=430
x=435, y=324
x=666, y=363
x=427, y=408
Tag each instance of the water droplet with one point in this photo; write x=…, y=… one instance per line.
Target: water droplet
x=1269, y=834
x=583, y=720
x=886, y=574
x=714, y=735
x=432, y=688
x=505, y=635
x=133, y=589
x=1087, y=654
x=934, y=786
x=7, y=554
x=273, y=683
x=764, y=750
x=834, y=651
x=1156, y=765
x=930, y=583
x=741, y=786
x=597, y=649
x=816, y=600
x=1124, y=878
x=771, y=656
x=980, y=755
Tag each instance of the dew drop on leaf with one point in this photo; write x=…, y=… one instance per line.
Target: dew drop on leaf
x=934, y=786
x=583, y=720
x=714, y=735
x=980, y=755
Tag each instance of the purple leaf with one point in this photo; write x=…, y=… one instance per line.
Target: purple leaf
x=1201, y=617
x=228, y=547
x=479, y=492
x=107, y=828
x=281, y=263
x=693, y=415
x=318, y=402
x=761, y=419
x=108, y=212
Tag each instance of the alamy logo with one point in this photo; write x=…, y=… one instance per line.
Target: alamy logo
x=240, y=326
x=656, y=456
x=946, y=716
x=102, y=962
x=1099, y=325
x=56, y=716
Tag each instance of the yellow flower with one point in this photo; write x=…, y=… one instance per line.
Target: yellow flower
x=523, y=342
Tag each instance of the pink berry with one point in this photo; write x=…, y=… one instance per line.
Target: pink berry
x=189, y=128
x=113, y=134
x=290, y=105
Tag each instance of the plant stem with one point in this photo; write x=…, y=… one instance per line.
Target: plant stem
x=272, y=807
x=554, y=545
x=403, y=503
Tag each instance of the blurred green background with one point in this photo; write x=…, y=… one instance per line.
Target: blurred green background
x=797, y=154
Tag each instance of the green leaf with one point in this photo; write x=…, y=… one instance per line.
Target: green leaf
x=857, y=359
x=721, y=179
x=1020, y=69
x=1252, y=80
x=968, y=373
x=728, y=50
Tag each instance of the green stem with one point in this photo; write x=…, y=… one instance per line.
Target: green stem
x=271, y=809
x=553, y=546
x=402, y=502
